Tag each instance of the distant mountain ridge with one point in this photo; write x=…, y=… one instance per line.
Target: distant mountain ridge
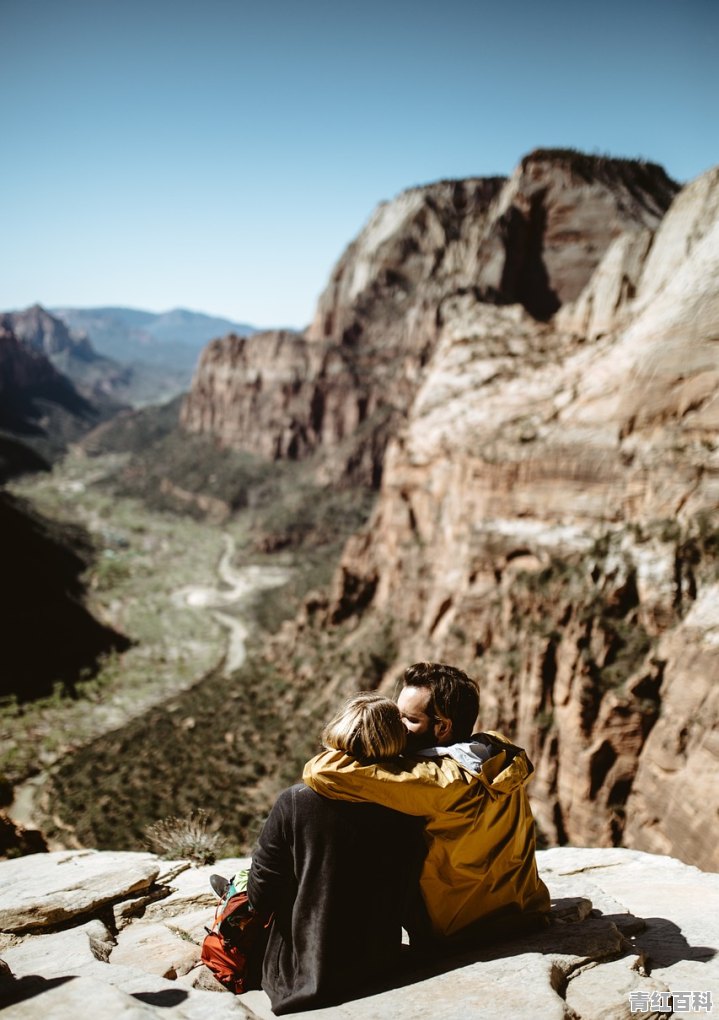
x=41, y=331
x=132, y=334
x=56, y=384
x=41, y=410
x=100, y=381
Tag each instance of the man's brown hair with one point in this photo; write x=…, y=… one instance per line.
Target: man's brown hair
x=453, y=695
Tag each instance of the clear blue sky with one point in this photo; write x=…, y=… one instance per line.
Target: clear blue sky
x=219, y=154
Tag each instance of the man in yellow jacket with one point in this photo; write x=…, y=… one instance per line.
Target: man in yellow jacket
x=480, y=872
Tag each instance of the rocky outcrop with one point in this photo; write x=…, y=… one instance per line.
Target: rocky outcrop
x=346, y=385
x=42, y=332
x=100, y=381
x=547, y=521
x=281, y=396
x=274, y=393
x=50, y=889
x=67, y=915
x=676, y=786
x=39, y=405
x=626, y=928
x=541, y=352
x=534, y=238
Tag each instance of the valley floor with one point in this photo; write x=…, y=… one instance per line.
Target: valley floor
x=180, y=589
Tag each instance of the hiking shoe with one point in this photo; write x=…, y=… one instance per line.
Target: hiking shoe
x=220, y=885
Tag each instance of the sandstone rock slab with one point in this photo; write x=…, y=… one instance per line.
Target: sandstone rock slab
x=603, y=993
x=479, y=991
x=190, y=888
x=47, y=889
x=73, y=998
x=648, y=886
x=156, y=949
x=90, y=998
x=654, y=932
x=50, y=973
x=61, y=953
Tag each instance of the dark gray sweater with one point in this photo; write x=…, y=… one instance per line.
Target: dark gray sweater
x=337, y=877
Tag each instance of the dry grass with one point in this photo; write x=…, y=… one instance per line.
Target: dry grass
x=191, y=838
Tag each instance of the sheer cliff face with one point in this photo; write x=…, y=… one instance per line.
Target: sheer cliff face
x=544, y=352
x=534, y=239
x=547, y=519
x=281, y=396
x=244, y=381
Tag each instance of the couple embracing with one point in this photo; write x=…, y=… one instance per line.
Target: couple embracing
x=408, y=820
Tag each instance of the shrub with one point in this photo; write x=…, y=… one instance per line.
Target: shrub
x=189, y=838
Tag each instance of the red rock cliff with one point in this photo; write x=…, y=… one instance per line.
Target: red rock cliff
x=534, y=239
x=540, y=354
x=548, y=520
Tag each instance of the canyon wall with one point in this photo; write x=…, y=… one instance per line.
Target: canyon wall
x=345, y=386
x=540, y=353
x=43, y=342
x=547, y=520
x=41, y=411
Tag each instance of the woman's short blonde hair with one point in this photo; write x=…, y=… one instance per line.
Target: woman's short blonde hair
x=368, y=726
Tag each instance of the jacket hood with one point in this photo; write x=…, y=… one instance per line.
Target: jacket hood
x=501, y=765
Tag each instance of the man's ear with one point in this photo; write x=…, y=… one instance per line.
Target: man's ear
x=442, y=730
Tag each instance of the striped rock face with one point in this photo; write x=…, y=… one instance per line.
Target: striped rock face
x=345, y=386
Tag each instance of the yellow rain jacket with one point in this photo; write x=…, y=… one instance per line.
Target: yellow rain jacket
x=479, y=827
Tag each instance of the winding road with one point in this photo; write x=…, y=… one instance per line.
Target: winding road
x=239, y=585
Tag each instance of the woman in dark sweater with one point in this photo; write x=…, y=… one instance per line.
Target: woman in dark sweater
x=338, y=877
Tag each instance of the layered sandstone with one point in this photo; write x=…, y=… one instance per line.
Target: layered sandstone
x=276, y=378
x=542, y=355
x=547, y=520
x=533, y=239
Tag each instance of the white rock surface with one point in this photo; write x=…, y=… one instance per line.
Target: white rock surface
x=45, y=889
x=92, y=998
x=157, y=949
x=623, y=921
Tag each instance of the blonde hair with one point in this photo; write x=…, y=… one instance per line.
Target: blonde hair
x=368, y=726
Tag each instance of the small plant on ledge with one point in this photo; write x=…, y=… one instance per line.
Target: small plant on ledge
x=189, y=838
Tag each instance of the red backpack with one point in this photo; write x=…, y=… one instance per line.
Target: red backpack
x=233, y=949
